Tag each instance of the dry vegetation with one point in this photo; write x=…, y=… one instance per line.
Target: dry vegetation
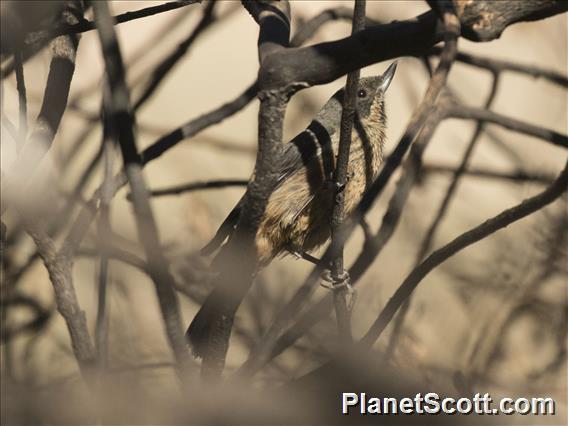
x=125, y=143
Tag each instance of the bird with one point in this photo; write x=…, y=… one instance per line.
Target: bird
x=297, y=218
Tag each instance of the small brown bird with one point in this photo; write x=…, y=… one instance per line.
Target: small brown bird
x=297, y=216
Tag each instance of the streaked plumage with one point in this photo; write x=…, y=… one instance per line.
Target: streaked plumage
x=297, y=215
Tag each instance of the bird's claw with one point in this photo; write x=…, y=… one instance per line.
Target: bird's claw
x=340, y=283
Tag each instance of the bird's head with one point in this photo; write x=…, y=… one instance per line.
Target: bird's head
x=370, y=99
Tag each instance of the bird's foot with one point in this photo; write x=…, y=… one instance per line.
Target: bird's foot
x=340, y=283
x=303, y=255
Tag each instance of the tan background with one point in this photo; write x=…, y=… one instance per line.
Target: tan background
x=454, y=306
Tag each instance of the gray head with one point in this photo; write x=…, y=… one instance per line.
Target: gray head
x=370, y=99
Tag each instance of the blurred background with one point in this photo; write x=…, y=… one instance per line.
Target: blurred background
x=491, y=319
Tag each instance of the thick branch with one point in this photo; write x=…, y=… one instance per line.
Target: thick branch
x=61, y=70
x=274, y=21
x=324, y=62
x=485, y=20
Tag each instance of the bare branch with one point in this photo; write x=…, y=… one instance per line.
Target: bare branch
x=483, y=115
x=53, y=106
x=311, y=26
x=499, y=65
x=485, y=20
x=59, y=268
x=23, y=102
x=324, y=62
x=274, y=21
x=122, y=121
x=104, y=234
x=195, y=186
x=466, y=239
x=429, y=238
x=168, y=63
x=339, y=276
x=428, y=169
x=85, y=25
x=194, y=126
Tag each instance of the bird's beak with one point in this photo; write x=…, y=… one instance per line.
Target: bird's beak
x=387, y=76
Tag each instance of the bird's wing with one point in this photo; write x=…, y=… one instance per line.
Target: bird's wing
x=304, y=151
x=314, y=143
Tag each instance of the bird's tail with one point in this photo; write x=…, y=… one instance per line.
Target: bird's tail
x=212, y=315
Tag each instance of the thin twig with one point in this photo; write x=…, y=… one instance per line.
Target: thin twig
x=104, y=234
x=498, y=65
x=410, y=172
x=121, y=120
x=309, y=27
x=429, y=238
x=541, y=178
x=194, y=126
x=483, y=115
x=23, y=103
x=466, y=239
x=194, y=186
x=338, y=274
x=172, y=59
x=85, y=25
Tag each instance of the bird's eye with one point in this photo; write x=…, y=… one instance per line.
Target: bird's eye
x=362, y=93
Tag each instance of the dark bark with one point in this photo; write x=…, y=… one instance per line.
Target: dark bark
x=121, y=123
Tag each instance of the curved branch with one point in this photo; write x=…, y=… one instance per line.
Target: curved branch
x=169, y=62
x=325, y=62
x=85, y=25
x=485, y=20
x=484, y=115
x=466, y=239
x=53, y=106
x=499, y=65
